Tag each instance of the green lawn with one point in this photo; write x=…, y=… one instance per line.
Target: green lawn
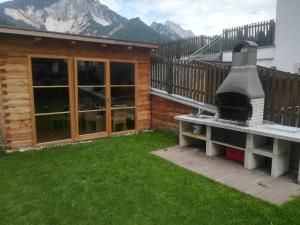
x=116, y=181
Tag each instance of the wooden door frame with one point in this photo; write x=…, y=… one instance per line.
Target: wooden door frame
x=91, y=136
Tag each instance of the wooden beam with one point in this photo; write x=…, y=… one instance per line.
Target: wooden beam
x=42, y=34
x=37, y=39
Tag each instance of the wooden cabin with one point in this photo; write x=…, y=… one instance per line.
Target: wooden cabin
x=60, y=88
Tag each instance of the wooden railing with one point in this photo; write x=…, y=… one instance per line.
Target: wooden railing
x=200, y=81
x=182, y=47
x=262, y=33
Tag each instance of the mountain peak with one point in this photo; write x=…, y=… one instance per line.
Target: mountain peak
x=171, y=29
x=178, y=29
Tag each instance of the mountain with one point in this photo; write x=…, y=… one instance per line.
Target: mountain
x=85, y=17
x=162, y=29
x=67, y=16
x=171, y=29
x=133, y=30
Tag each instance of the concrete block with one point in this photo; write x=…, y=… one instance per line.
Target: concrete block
x=213, y=149
x=299, y=173
x=281, y=147
x=183, y=141
x=253, y=161
x=280, y=165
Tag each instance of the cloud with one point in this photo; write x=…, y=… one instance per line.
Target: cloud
x=202, y=16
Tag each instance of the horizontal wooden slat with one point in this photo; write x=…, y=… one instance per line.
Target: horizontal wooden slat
x=15, y=96
x=19, y=124
x=14, y=68
x=17, y=102
x=14, y=82
x=19, y=144
x=14, y=116
x=18, y=137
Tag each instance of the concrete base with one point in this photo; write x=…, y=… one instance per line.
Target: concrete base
x=253, y=161
x=299, y=173
x=257, y=146
x=213, y=149
x=257, y=183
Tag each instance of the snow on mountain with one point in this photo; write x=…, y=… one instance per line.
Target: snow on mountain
x=178, y=29
x=171, y=29
x=68, y=16
x=87, y=17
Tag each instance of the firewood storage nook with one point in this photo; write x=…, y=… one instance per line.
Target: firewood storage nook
x=60, y=88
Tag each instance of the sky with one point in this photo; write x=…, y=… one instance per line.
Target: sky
x=207, y=17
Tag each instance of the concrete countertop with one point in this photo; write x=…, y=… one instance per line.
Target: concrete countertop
x=262, y=130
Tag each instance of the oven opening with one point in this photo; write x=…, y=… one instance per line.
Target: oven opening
x=234, y=106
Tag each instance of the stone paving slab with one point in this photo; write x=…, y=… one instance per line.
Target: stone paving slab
x=257, y=183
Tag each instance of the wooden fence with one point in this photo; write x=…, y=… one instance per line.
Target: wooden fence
x=200, y=81
x=262, y=33
x=182, y=47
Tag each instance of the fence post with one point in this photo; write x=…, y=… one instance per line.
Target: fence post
x=169, y=76
x=272, y=26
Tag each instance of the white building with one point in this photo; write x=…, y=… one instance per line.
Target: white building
x=285, y=54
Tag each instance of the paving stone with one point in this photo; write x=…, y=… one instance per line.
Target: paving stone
x=257, y=183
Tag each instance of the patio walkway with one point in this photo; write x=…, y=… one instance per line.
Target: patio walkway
x=257, y=183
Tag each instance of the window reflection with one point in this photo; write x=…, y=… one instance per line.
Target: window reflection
x=48, y=72
x=123, y=119
x=91, y=122
x=122, y=97
x=53, y=127
x=49, y=100
x=122, y=73
x=91, y=98
x=91, y=73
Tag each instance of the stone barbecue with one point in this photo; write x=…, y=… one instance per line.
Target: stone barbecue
x=240, y=98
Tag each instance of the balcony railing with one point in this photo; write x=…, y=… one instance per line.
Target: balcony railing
x=262, y=33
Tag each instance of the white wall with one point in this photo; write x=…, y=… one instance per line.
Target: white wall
x=287, y=36
x=265, y=56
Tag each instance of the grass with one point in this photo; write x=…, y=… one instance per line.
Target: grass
x=116, y=181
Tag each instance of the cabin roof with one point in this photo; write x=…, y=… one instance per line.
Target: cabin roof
x=72, y=37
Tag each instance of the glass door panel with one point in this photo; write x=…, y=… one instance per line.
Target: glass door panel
x=123, y=119
x=122, y=90
x=92, y=122
x=91, y=97
x=51, y=94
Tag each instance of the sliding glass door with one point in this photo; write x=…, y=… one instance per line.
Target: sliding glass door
x=91, y=98
x=81, y=99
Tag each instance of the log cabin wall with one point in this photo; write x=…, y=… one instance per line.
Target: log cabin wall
x=15, y=117
x=2, y=127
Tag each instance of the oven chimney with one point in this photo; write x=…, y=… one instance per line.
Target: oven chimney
x=240, y=98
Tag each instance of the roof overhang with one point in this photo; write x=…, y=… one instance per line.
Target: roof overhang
x=71, y=37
